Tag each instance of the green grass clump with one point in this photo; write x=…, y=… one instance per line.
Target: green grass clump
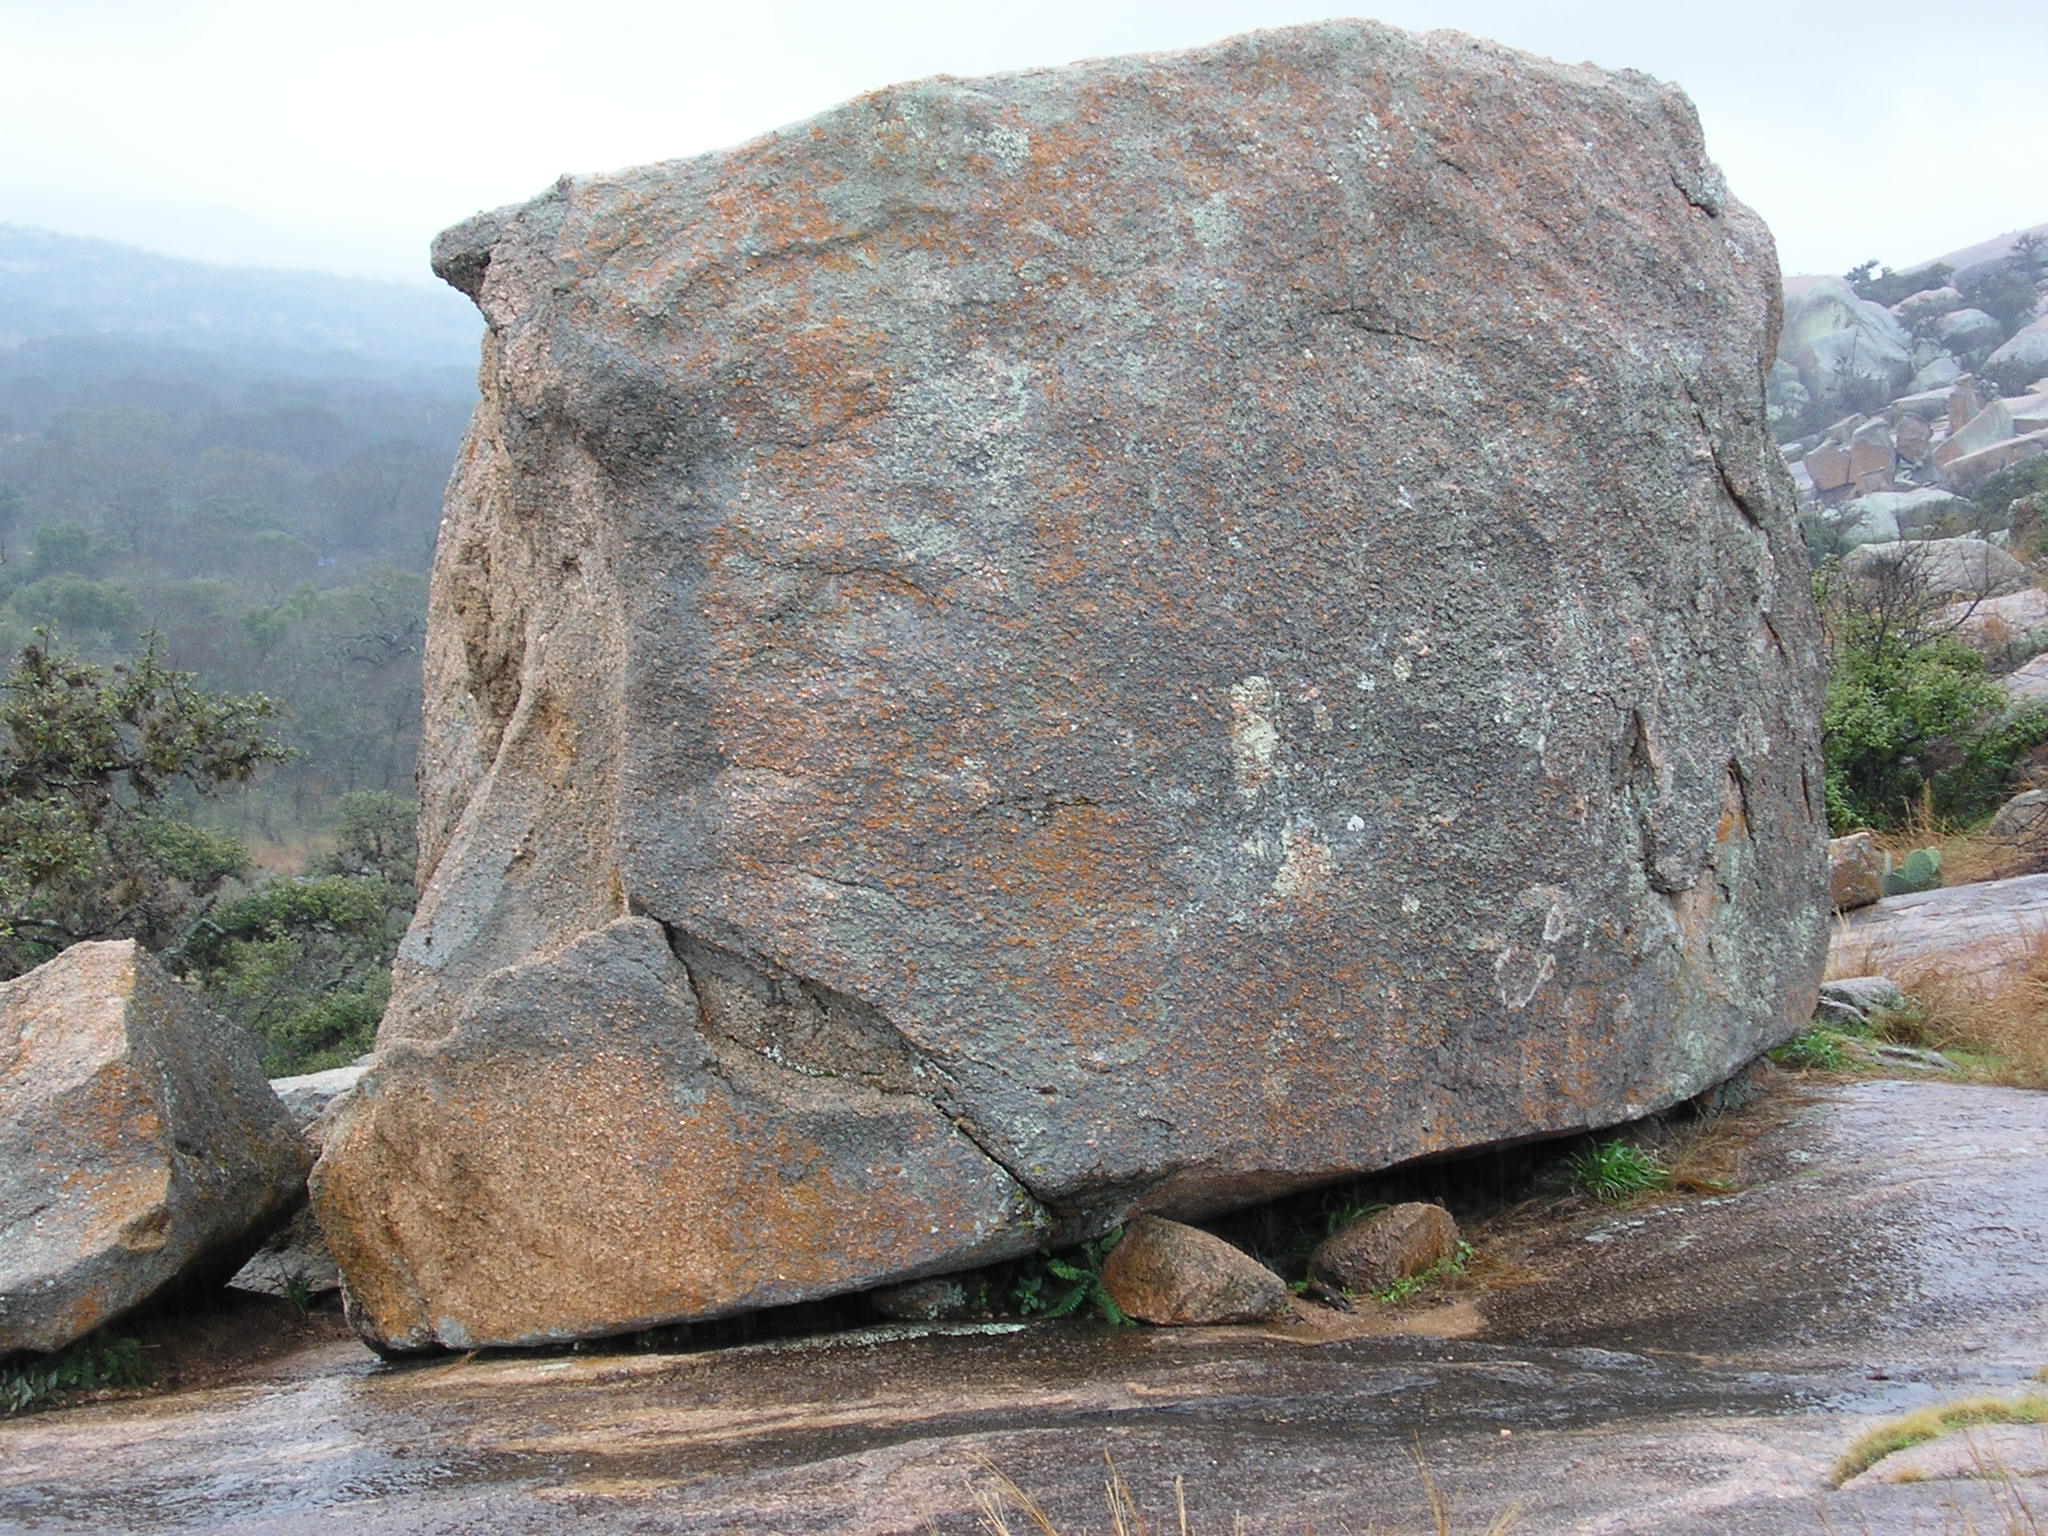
x=1615, y=1170
x=1818, y=1050
x=94, y=1362
x=1408, y=1285
x=1917, y=1428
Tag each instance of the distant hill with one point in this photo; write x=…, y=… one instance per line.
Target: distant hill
x=247, y=465
x=60, y=285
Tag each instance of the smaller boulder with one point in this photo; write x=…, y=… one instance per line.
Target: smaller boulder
x=1928, y=305
x=1935, y=373
x=2025, y=353
x=1993, y=424
x=1855, y=871
x=2012, y=629
x=2023, y=820
x=295, y=1261
x=922, y=1301
x=2028, y=684
x=307, y=1096
x=140, y=1144
x=1166, y=1273
x=1968, y=330
x=1380, y=1249
x=1850, y=1003
x=1865, y=994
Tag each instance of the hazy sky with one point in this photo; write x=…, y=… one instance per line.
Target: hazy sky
x=344, y=135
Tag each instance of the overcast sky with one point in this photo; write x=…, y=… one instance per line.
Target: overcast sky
x=344, y=135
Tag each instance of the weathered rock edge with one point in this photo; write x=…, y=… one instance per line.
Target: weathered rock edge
x=1134, y=636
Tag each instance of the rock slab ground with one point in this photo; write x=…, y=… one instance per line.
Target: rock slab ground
x=1688, y=1366
x=139, y=1143
x=1119, y=638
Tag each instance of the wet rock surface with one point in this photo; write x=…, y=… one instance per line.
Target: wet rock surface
x=1692, y=1366
x=990, y=646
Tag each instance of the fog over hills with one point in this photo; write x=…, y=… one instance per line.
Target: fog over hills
x=62, y=285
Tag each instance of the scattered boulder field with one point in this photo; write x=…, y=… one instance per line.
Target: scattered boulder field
x=991, y=648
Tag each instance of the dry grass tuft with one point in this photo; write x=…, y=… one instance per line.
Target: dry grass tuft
x=1007, y=1510
x=1991, y=1002
x=1922, y=1425
x=2000, y=1013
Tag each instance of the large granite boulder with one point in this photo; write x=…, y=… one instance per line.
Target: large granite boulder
x=139, y=1143
x=1939, y=570
x=2024, y=357
x=1851, y=354
x=1129, y=637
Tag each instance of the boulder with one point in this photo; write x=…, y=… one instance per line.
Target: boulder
x=1849, y=351
x=1993, y=424
x=1872, y=457
x=308, y=1096
x=1858, y=999
x=923, y=1301
x=1937, y=568
x=139, y=1143
x=295, y=1261
x=1968, y=330
x=1383, y=1247
x=1863, y=519
x=1855, y=871
x=1929, y=404
x=2028, y=684
x=2023, y=820
x=1828, y=466
x=1935, y=373
x=1178, y=1276
x=1965, y=400
x=990, y=647
x=1967, y=469
x=1928, y=304
x=1913, y=438
x=2025, y=352
x=2029, y=413
x=2009, y=629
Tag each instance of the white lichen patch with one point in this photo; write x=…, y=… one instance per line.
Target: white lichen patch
x=1306, y=869
x=1216, y=223
x=1519, y=974
x=1254, y=739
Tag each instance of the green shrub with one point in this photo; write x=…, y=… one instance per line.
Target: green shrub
x=1886, y=287
x=1892, y=700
